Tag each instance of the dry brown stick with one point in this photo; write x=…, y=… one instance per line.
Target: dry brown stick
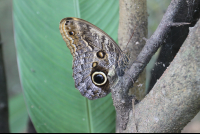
x=134, y=127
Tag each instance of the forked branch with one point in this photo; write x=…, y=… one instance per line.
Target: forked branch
x=121, y=99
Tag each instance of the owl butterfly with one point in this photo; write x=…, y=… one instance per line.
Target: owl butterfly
x=94, y=54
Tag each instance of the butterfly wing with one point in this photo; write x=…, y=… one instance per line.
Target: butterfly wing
x=94, y=53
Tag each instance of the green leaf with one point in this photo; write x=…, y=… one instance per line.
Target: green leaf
x=18, y=116
x=45, y=63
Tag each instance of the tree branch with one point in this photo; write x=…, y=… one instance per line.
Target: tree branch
x=132, y=21
x=121, y=100
x=174, y=41
x=175, y=10
x=4, y=126
x=132, y=29
x=175, y=98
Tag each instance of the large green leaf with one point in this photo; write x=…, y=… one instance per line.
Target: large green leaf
x=45, y=63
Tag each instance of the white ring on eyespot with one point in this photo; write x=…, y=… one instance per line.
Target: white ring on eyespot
x=105, y=78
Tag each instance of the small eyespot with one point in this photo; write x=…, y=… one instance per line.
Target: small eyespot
x=71, y=32
x=101, y=54
x=66, y=23
x=99, y=78
x=94, y=64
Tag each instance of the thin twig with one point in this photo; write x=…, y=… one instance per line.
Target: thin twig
x=134, y=121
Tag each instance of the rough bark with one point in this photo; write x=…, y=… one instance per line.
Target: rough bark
x=174, y=100
x=132, y=21
x=121, y=100
x=132, y=30
x=4, y=126
x=133, y=24
x=159, y=37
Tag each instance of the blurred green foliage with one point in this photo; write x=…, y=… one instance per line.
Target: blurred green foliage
x=17, y=110
x=18, y=115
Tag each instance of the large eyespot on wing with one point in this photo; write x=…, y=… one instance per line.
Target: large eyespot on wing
x=99, y=78
x=87, y=75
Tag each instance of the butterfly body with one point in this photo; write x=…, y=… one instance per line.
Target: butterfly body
x=94, y=55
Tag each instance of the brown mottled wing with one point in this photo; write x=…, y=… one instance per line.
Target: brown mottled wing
x=94, y=53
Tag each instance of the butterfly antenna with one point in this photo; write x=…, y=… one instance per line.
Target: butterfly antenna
x=128, y=56
x=123, y=53
x=130, y=38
